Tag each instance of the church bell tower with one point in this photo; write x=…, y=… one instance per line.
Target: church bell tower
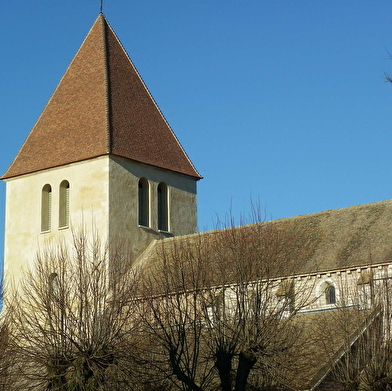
x=101, y=153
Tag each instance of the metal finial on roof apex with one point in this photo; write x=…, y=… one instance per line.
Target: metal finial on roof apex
x=100, y=9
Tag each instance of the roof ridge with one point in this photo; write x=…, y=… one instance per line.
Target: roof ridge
x=325, y=211
x=153, y=99
x=279, y=220
x=107, y=83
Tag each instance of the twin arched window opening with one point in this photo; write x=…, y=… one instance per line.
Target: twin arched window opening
x=64, y=205
x=163, y=210
x=46, y=206
x=144, y=203
x=162, y=205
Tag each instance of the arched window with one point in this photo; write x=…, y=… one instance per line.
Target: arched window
x=144, y=202
x=163, y=211
x=64, y=205
x=330, y=294
x=46, y=207
x=54, y=285
x=285, y=294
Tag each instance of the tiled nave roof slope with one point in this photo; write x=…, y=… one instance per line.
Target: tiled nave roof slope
x=101, y=106
x=353, y=237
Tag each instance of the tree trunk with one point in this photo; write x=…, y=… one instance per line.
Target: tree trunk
x=179, y=373
x=246, y=362
x=223, y=364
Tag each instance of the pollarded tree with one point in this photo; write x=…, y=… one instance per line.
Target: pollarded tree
x=221, y=308
x=73, y=320
x=252, y=325
x=172, y=319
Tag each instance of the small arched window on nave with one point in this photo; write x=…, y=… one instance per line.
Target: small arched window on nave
x=330, y=294
x=46, y=207
x=144, y=203
x=163, y=207
x=64, y=205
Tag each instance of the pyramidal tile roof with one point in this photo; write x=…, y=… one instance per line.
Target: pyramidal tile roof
x=101, y=106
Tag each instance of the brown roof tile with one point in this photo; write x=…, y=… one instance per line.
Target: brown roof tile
x=101, y=106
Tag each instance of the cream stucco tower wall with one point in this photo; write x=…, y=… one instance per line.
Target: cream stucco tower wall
x=102, y=132
x=103, y=197
x=124, y=176
x=88, y=203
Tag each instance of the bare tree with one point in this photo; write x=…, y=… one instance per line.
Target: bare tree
x=6, y=358
x=221, y=308
x=72, y=319
x=356, y=336
x=172, y=317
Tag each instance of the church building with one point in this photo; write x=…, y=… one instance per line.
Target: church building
x=102, y=155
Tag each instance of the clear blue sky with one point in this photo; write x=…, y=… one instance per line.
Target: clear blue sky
x=282, y=101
